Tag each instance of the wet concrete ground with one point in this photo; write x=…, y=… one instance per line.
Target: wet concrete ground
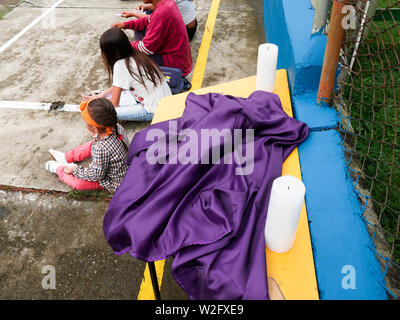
x=48, y=64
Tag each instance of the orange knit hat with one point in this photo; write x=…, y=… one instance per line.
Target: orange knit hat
x=88, y=119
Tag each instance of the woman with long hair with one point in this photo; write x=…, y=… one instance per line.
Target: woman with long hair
x=137, y=82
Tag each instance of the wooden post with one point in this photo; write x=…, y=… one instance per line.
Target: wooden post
x=332, y=52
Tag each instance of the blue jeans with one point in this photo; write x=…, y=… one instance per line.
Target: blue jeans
x=133, y=113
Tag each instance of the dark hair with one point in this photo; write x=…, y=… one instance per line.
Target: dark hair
x=115, y=45
x=103, y=113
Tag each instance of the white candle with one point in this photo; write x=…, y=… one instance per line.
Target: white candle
x=266, y=67
x=284, y=208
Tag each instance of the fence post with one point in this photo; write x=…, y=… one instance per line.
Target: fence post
x=332, y=52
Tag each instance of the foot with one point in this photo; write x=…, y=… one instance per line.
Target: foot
x=52, y=166
x=58, y=156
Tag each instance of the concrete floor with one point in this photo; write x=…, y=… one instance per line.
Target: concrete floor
x=46, y=64
x=6, y=6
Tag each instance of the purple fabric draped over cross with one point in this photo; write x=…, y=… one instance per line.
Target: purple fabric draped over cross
x=209, y=217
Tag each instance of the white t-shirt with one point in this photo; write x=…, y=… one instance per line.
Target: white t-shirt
x=133, y=92
x=187, y=9
x=121, y=130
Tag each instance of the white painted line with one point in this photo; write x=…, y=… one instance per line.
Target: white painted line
x=28, y=27
x=36, y=106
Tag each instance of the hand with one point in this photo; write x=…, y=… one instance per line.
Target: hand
x=88, y=97
x=68, y=170
x=127, y=14
x=119, y=25
x=93, y=95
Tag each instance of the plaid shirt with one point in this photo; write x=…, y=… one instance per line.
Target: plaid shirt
x=108, y=165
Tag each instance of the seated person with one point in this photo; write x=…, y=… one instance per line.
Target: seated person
x=186, y=8
x=137, y=82
x=108, y=150
x=166, y=40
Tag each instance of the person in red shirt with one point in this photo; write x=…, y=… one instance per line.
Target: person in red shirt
x=166, y=36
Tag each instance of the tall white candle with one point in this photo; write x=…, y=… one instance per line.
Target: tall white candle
x=284, y=208
x=266, y=67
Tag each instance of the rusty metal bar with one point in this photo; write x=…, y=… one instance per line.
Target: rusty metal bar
x=332, y=52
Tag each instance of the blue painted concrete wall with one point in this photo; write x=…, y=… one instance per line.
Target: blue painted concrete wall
x=339, y=235
x=301, y=55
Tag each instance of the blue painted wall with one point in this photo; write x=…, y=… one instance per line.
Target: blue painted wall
x=339, y=235
x=286, y=22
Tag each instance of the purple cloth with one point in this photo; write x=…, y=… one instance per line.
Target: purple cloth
x=205, y=215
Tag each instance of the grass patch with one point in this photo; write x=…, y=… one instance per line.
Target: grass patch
x=3, y=13
x=95, y=195
x=6, y=6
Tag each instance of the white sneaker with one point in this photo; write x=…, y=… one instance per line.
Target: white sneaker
x=52, y=166
x=58, y=156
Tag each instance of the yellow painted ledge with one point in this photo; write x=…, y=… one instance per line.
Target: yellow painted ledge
x=293, y=271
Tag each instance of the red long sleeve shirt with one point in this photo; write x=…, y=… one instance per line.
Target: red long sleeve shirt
x=166, y=35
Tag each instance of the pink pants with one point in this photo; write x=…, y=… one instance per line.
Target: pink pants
x=77, y=155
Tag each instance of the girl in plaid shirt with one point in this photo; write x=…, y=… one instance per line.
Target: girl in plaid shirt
x=108, y=151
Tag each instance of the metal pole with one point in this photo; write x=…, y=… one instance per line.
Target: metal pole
x=154, y=281
x=369, y=11
x=332, y=52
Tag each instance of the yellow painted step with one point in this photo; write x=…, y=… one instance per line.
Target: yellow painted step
x=294, y=271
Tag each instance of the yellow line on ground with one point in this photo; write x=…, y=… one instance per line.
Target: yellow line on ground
x=146, y=288
x=200, y=67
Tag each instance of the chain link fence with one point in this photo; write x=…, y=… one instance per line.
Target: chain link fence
x=367, y=98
